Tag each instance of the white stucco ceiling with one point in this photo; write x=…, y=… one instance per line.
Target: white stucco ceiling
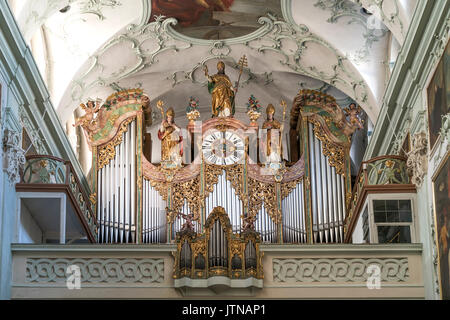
x=99, y=45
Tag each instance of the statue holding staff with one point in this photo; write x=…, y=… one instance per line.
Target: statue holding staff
x=169, y=134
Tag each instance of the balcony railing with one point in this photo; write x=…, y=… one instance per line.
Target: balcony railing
x=381, y=174
x=48, y=173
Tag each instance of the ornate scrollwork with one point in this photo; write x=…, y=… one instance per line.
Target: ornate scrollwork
x=189, y=190
x=263, y=192
x=287, y=187
x=417, y=164
x=234, y=175
x=334, y=152
x=212, y=174
x=240, y=263
x=14, y=155
x=107, y=152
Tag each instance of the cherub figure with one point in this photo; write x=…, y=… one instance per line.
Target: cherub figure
x=249, y=224
x=188, y=224
x=353, y=111
x=87, y=121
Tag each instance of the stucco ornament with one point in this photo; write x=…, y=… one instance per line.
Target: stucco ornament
x=14, y=156
x=417, y=158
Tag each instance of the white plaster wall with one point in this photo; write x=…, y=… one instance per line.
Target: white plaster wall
x=30, y=232
x=358, y=233
x=7, y=196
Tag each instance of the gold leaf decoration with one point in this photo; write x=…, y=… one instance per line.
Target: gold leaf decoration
x=107, y=152
x=334, y=152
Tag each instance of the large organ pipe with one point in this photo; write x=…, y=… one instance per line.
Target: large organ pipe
x=265, y=226
x=319, y=189
x=327, y=200
x=342, y=217
x=293, y=216
x=325, y=221
x=339, y=195
x=127, y=202
x=116, y=192
x=133, y=178
x=313, y=182
x=225, y=196
x=330, y=203
x=154, y=220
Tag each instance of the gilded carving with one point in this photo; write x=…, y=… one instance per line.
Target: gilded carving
x=108, y=152
x=287, y=187
x=263, y=192
x=189, y=190
x=334, y=152
x=201, y=244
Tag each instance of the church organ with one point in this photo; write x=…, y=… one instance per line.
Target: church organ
x=141, y=202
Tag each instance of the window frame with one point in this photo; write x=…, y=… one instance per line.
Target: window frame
x=373, y=226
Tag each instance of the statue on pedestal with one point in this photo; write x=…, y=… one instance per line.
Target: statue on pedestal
x=87, y=121
x=169, y=134
x=222, y=92
x=271, y=145
x=188, y=224
x=353, y=111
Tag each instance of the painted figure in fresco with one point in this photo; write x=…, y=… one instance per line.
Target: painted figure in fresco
x=87, y=121
x=188, y=12
x=222, y=92
x=169, y=134
x=353, y=111
x=271, y=145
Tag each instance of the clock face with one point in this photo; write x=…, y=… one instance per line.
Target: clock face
x=223, y=148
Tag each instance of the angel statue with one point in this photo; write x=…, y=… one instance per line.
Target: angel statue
x=249, y=223
x=353, y=111
x=188, y=224
x=170, y=135
x=87, y=121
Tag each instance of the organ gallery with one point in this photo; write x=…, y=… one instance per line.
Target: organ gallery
x=233, y=149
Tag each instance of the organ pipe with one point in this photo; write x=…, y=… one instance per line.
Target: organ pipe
x=116, y=188
x=224, y=195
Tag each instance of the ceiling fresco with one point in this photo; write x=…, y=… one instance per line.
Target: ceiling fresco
x=215, y=19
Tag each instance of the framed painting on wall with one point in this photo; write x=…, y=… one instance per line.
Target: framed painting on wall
x=441, y=193
x=438, y=96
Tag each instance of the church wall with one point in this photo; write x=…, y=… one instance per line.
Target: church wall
x=300, y=271
x=25, y=104
x=29, y=229
x=358, y=234
x=405, y=111
x=10, y=123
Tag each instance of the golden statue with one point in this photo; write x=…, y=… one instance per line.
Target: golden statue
x=222, y=91
x=272, y=143
x=87, y=121
x=353, y=111
x=169, y=134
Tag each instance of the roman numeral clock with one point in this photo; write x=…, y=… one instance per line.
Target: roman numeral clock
x=223, y=147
